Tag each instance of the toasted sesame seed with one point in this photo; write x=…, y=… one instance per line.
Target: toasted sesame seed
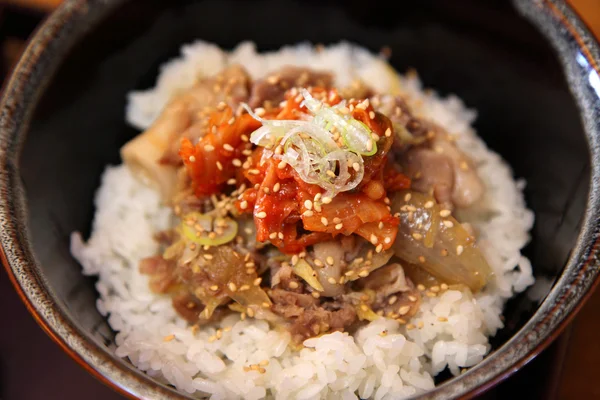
x=435, y=288
x=324, y=221
x=214, y=288
x=392, y=300
x=421, y=259
x=192, y=159
x=445, y=213
x=261, y=214
x=282, y=164
x=373, y=239
x=231, y=181
x=257, y=281
x=444, y=286
x=420, y=287
x=388, y=132
x=316, y=295
x=407, y=197
x=330, y=260
x=212, y=339
x=410, y=327
x=364, y=307
x=318, y=262
x=349, y=273
x=459, y=250
x=403, y=310
x=430, y=294
x=428, y=204
x=244, y=205
x=448, y=223
x=236, y=162
x=208, y=256
x=371, y=115
x=232, y=286
x=209, y=147
x=250, y=312
x=168, y=338
x=244, y=287
x=417, y=236
x=364, y=273
x=293, y=285
x=379, y=248
x=219, y=166
x=331, y=280
x=412, y=298
x=420, y=324
x=442, y=319
x=228, y=147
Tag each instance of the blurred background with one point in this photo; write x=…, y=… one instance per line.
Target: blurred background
x=32, y=367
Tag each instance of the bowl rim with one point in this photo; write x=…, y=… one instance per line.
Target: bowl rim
x=73, y=18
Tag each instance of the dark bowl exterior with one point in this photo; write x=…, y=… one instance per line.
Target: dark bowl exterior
x=66, y=83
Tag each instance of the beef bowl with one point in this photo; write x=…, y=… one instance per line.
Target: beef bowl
x=284, y=199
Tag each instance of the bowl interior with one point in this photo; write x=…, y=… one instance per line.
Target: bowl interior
x=481, y=51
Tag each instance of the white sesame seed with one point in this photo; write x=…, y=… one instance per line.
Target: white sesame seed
x=282, y=164
x=331, y=280
x=192, y=159
x=387, y=240
x=228, y=147
x=445, y=213
x=373, y=239
x=371, y=115
x=339, y=226
x=428, y=204
x=356, y=166
x=209, y=147
x=253, y=171
x=417, y=236
x=459, y=250
x=330, y=260
x=232, y=286
x=364, y=273
x=293, y=285
x=273, y=235
x=448, y=223
x=324, y=221
x=231, y=121
x=308, y=204
x=379, y=248
x=236, y=162
x=244, y=205
x=261, y=214
x=308, y=213
x=388, y=132
x=326, y=200
x=219, y=166
x=259, y=111
x=407, y=197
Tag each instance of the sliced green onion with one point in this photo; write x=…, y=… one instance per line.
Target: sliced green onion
x=212, y=232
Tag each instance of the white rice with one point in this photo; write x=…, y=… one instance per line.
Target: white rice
x=333, y=366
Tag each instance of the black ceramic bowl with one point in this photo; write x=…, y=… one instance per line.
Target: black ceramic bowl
x=531, y=70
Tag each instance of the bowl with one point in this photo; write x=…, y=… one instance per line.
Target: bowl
x=530, y=69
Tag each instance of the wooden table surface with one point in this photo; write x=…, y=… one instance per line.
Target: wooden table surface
x=578, y=378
